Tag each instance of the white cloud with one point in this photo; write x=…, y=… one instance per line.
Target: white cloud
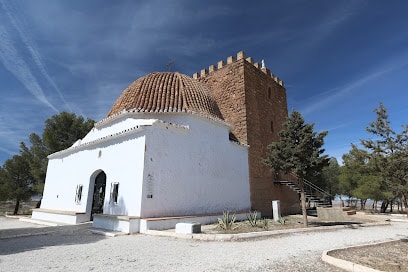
x=12, y=61
x=338, y=126
x=18, y=119
x=15, y=128
x=12, y=52
x=30, y=45
x=304, y=35
x=337, y=94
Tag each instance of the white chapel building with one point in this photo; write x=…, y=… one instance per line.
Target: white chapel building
x=163, y=151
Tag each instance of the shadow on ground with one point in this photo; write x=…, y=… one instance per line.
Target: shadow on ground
x=25, y=239
x=328, y=224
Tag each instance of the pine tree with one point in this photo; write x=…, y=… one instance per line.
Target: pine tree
x=330, y=178
x=390, y=153
x=64, y=129
x=360, y=177
x=298, y=151
x=37, y=158
x=16, y=181
x=60, y=132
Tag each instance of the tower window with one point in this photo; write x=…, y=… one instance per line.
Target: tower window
x=269, y=93
x=272, y=129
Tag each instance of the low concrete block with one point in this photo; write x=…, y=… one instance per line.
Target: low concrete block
x=188, y=227
x=334, y=213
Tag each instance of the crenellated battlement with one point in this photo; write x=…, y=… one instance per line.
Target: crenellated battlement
x=231, y=59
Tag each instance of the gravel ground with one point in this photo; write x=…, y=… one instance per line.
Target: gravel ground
x=10, y=223
x=75, y=248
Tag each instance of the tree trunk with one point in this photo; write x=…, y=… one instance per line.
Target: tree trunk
x=404, y=200
x=16, y=207
x=391, y=206
x=384, y=206
x=362, y=204
x=303, y=203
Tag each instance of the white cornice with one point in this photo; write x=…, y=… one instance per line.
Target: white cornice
x=135, y=112
x=79, y=146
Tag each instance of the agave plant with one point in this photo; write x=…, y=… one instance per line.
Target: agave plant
x=282, y=221
x=252, y=218
x=265, y=223
x=227, y=223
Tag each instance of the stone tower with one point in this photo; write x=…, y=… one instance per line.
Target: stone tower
x=253, y=101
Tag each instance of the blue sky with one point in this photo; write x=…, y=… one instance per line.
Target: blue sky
x=338, y=59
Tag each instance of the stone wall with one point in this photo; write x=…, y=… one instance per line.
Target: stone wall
x=253, y=101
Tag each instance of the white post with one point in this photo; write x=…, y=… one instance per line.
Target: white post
x=276, y=210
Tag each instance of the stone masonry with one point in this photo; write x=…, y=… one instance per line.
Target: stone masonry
x=253, y=101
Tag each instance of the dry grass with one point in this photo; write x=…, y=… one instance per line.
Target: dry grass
x=390, y=256
x=25, y=207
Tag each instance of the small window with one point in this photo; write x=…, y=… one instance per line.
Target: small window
x=269, y=93
x=272, y=129
x=78, y=194
x=114, y=192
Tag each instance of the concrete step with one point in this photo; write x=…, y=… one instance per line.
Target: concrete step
x=351, y=212
x=334, y=213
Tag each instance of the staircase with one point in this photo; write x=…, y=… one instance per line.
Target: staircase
x=315, y=196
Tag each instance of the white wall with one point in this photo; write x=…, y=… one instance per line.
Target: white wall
x=188, y=170
x=122, y=160
x=195, y=171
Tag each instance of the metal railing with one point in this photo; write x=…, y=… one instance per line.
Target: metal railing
x=311, y=190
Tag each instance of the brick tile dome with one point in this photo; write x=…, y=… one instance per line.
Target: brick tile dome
x=167, y=92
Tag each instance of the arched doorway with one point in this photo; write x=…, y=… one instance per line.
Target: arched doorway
x=98, y=194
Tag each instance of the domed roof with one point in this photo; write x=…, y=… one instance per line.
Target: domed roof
x=167, y=92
